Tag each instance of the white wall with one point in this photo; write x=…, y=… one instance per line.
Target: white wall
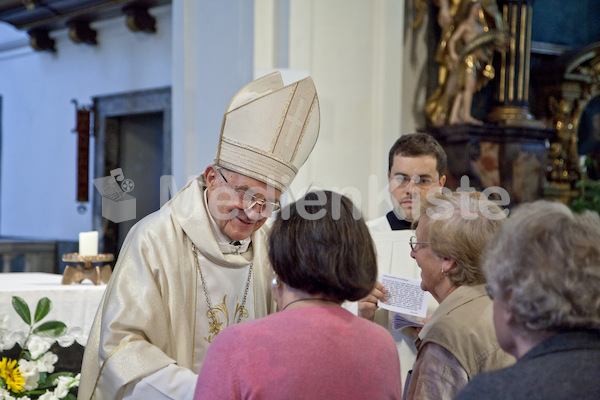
x=38, y=170
x=202, y=49
x=353, y=49
x=212, y=60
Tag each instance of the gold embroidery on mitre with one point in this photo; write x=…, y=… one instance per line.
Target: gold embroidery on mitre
x=296, y=117
x=312, y=107
x=264, y=153
x=283, y=116
x=214, y=322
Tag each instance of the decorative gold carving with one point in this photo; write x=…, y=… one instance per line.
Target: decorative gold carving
x=566, y=103
x=528, y=53
x=513, y=93
x=522, y=48
x=464, y=55
x=214, y=321
x=502, y=87
x=513, y=53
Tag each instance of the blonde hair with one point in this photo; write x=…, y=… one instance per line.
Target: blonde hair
x=458, y=226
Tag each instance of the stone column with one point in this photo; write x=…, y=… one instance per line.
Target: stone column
x=512, y=92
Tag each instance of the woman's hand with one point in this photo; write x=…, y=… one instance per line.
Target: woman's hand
x=368, y=305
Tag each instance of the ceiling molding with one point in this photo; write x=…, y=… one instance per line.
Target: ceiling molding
x=40, y=17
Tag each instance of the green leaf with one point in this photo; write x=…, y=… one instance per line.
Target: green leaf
x=22, y=309
x=51, y=329
x=33, y=392
x=42, y=309
x=70, y=397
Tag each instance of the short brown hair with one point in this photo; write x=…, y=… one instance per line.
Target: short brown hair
x=321, y=244
x=416, y=145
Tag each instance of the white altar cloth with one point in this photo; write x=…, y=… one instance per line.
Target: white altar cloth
x=74, y=304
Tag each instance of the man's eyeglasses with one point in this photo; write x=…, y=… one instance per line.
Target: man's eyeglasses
x=250, y=201
x=419, y=181
x=413, y=243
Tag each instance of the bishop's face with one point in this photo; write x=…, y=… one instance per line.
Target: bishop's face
x=225, y=193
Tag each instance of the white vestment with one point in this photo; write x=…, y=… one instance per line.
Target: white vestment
x=154, y=321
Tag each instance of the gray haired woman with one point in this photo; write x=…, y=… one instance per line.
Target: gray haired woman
x=543, y=272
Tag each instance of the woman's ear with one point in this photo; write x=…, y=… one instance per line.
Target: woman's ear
x=506, y=311
x=448, y=264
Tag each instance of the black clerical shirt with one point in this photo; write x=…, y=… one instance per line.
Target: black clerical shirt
x=397, y=224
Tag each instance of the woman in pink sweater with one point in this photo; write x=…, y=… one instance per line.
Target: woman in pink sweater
x=322, y=254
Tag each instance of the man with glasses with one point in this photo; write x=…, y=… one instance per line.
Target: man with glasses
x=200, y=263
x=416, y=167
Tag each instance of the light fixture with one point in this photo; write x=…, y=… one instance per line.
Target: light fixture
x=40, y=40
x=139, y=20
x=81, y=32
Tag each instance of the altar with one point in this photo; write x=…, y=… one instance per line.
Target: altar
x=74, y=304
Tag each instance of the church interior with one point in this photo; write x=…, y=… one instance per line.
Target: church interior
x=134, y=91
x=168, y=68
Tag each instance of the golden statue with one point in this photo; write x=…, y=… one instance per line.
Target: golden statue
x=471, y=30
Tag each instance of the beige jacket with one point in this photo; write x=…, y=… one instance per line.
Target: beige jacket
x=463, y=325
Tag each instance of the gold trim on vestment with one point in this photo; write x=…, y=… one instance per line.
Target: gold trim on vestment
x=107, y=358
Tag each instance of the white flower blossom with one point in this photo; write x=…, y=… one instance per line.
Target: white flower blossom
x=37, y=346
x=62, y=386
x=3, y=321
x=31, y=374
x=3, y=327
x=76, y=380
x=5, y=394
x=46, y=362
x=48, y=396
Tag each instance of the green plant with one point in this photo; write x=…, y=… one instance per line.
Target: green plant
x=32, y=376
x=589, y=196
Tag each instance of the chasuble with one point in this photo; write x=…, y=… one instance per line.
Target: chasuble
x=154, y=319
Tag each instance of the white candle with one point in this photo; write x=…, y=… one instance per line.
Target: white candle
x=88, y=243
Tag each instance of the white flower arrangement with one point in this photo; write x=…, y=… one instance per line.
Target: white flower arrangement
x=32, y=376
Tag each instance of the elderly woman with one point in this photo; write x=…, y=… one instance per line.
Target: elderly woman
x=458, y=341
x=322, y=254
x=543, y=270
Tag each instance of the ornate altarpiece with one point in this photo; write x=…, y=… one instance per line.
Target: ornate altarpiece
x=529, y=156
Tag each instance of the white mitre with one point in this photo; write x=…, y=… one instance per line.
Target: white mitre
x=269, y=130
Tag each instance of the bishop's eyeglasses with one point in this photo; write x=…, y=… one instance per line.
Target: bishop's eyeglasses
x=401, y=181
x=251, y=201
